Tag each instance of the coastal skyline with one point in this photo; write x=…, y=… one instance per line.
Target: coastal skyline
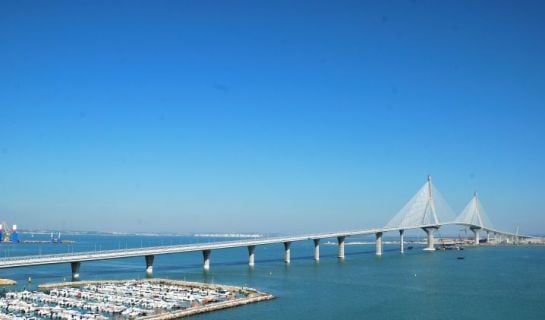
x=267, y=117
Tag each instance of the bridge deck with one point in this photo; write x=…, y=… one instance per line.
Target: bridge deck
x=34, y=260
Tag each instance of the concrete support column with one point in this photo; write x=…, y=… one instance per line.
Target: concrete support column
x=476, y=233
x=287, y=253
x=340, y=240
x=206, y=259
x=149, y=264
x=379, y=243
x=488, y=237
x=75, y=270
x=316, y=249
x=429, y=231
x=251, y=256
x=401, y=241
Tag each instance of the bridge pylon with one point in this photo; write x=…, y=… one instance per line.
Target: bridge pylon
x=475, y=217
x=426, y=210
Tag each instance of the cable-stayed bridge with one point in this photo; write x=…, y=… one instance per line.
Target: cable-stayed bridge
x=426, y=210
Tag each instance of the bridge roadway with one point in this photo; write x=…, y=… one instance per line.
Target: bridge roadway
x=76, y=258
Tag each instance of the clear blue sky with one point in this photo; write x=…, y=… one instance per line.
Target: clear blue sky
x=268, y=116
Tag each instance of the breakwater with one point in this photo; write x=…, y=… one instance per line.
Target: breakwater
x=253, y=298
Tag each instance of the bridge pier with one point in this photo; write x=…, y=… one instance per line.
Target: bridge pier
x=401, y=244
x=429, y=231
x=476, y=233
x=316, y=249
x=251, y=256
x=340, y=240
x=75, y=270
x=149, y=264
x=287, y=253
x=379, y=243
x=488, y=237
x=206, y=259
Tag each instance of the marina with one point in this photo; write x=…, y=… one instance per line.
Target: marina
x=125, y=299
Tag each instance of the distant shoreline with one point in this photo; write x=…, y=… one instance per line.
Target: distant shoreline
x=198, y=235
x=147, y=234
x=229, y=235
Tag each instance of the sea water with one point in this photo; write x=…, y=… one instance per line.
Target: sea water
x=504, y=282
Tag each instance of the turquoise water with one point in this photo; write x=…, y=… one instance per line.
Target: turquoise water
x=490, y=283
